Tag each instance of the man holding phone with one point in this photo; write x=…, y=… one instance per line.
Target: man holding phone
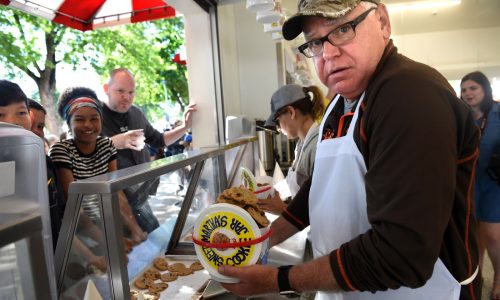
x=130, y=131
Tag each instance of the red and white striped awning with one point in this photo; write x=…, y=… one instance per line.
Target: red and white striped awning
x=91, y=14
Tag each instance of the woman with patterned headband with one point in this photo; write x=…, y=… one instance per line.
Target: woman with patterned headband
x=88, y=154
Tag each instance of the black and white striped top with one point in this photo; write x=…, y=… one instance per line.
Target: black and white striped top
x=66, y=155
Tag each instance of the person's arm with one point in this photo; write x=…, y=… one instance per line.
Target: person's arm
x=98, y=261
x=297, y=211
x=315, y=275
x=65, y=177
x=294, y=218
x=272, y=204
x=138, y=235
x=173, y=135
x=304, y=171
x=281, y=230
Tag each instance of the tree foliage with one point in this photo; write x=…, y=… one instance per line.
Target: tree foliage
x=21, y=51
x=35, y=47
x=147, y=49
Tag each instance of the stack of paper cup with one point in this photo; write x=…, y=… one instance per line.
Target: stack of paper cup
x=260, y=5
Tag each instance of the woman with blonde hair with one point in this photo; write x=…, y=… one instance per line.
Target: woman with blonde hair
x=295, y=111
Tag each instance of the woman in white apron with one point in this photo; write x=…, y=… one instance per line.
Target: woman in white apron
x=294, y=111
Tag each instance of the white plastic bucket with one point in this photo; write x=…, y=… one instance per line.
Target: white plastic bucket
x=218, y=219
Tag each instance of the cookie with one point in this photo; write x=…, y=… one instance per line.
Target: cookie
x=220, y=238
x=169, y=276
x=141, y=283
x=160, y=263
x=196, y=266
x=241, y=195
x=176, y=267
x=152, y=274
x=134, y=295
x=158, y=287
x=151, y=295
x=258, y=215
x=223, y=199
x=185, y=272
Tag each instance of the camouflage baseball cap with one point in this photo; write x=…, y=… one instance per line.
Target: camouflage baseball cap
x=322, y=8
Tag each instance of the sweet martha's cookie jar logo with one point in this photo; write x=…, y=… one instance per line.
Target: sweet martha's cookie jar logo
x=227, y=227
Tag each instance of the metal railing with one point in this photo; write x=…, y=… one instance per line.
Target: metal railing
x=108, y=184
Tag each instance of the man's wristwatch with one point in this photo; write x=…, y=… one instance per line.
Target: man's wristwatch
x=283, y=282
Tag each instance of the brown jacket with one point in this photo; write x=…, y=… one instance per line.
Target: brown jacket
x=419, y=142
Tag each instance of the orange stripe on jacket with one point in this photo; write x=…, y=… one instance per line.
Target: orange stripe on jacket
x=342, y=271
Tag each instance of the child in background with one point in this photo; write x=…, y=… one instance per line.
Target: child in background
x=88, y=154
x=37, y=115
x=56, y=199
x=14, y=108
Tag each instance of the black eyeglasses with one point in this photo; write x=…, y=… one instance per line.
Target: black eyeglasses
x=336, y=37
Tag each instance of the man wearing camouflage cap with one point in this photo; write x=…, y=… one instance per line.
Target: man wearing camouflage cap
x=389, y=201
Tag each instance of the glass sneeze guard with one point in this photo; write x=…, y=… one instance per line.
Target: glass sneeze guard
x=91, y=248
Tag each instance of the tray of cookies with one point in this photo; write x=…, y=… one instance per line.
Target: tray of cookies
x=169, y=277
x=233, y=232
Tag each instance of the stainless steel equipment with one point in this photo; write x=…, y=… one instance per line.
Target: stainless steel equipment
x=266, y=149
x=285, y=150
x=237, y=127
x=26, y=255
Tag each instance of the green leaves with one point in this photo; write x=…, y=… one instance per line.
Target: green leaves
x=32, y=45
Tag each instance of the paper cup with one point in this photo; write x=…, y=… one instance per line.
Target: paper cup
x=259, y=5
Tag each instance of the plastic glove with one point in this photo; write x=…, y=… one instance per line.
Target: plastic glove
x=132, y=139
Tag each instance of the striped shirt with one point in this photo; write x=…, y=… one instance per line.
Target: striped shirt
x=66, y=155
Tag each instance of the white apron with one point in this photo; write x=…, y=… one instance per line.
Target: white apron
x=337, y=206
x=291, y=176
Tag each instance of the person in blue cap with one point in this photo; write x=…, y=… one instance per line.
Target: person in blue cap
x=187, y=141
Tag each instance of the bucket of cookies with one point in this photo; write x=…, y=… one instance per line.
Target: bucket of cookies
x=264, y=187
x=234, y=231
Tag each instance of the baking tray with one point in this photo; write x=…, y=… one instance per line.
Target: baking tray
x=184, y=287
